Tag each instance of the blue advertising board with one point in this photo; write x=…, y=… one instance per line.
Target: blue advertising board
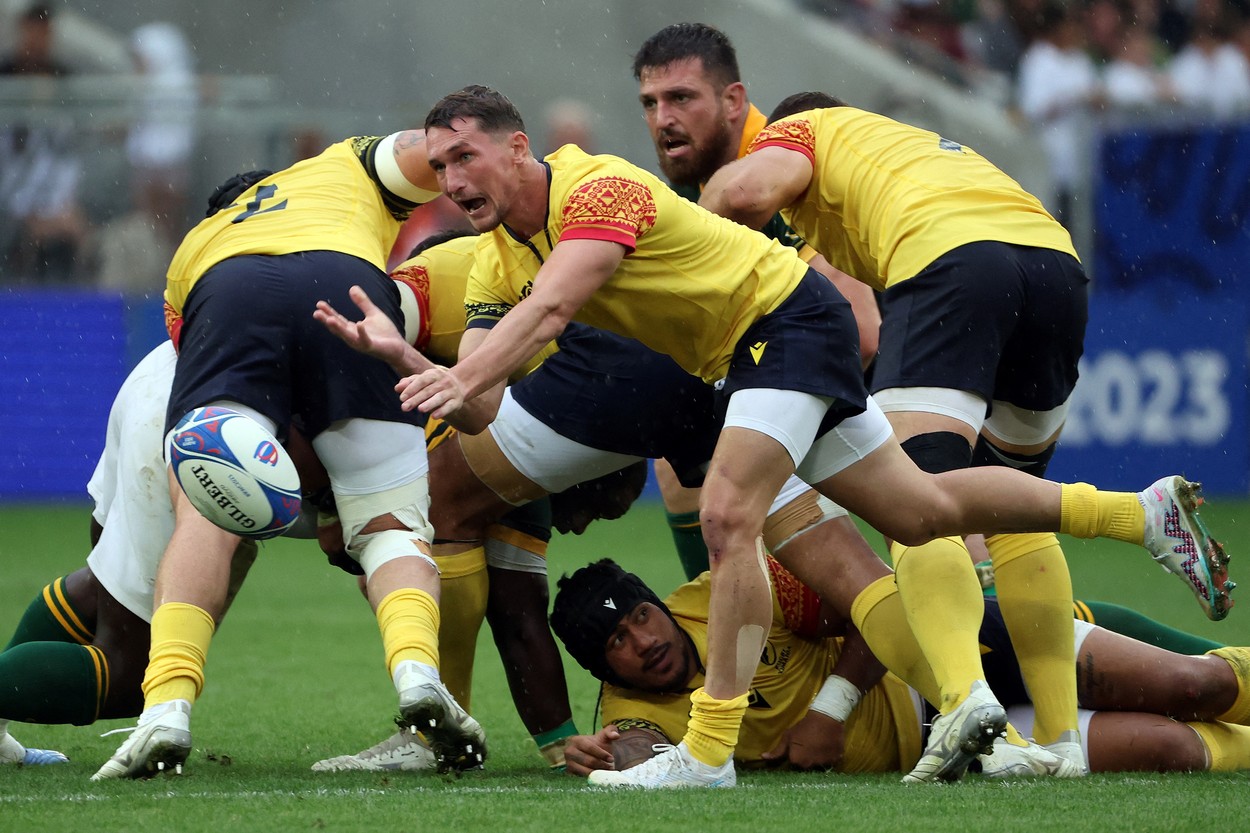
x=63, y=356
x=1164, y=380
x=1163, y=390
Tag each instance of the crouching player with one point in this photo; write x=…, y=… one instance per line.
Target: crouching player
x=239, y=297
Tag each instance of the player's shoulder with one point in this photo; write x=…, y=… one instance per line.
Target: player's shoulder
x=689, y=602
x=574, y=164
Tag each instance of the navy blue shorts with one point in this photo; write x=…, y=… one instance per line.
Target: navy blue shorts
x=249, y=336
x=1002, y=321
x=810, y=343
x=609, y=392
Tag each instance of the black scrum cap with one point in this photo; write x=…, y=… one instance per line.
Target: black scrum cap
x=589, y=605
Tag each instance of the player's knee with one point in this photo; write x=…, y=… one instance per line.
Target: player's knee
x=988, y=454
x=939, y=451
x=373, y=549
x=1201, y=691
x=387, y=525
x=933, y=514
x=725, y=525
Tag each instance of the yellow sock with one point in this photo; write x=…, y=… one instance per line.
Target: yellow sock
x=1239, y=659
x=465, y=585
x=1085, y=512
x=942, y=597
x=712, y=732
x=878, y=614
x=181, y=634
x=408, y=619
x=1228, y=746
x=1035, y=597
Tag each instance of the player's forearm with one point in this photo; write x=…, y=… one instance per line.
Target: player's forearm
x=740, y=198
x=411, y=362
x=858, y=665
x=517, y=338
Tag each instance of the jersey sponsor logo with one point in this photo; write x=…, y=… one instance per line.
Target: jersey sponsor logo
x=777, y=660
x=757, y=350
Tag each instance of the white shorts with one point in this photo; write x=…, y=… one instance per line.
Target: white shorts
x=556, y=463
x=131, y=488
x=792, y=418
x=548, y=458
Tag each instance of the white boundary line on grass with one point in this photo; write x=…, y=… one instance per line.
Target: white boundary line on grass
x=408, y=789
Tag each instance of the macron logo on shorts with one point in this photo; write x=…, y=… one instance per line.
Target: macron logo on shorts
x=757, y=350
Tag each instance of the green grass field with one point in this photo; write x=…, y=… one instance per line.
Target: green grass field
x=296, y=675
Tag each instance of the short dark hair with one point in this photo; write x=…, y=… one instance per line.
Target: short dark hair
x=607, y=496
x=228, y=191
x=438, y=238
x=587, y=608
x=802, y=102
x=492, y=109
x=690, y=40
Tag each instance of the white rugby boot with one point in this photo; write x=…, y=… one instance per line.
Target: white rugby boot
x=1069, y=748
x=1010, y=761
x=1179, y=541
x=404, y=751
x=673, y=768
x=957, y=738
x=426, y=706
x=161, y=742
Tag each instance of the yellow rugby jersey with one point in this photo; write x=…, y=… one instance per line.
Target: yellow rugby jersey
x=331, y=202
x=887, y=199
x=438, y=277
x=881, y=735
x=689, y=286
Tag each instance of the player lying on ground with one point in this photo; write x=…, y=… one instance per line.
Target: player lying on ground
x=1142, y=708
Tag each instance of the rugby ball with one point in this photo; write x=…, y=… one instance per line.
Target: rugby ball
x=235, y=473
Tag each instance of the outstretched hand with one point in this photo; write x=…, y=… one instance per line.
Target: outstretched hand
x=435, y=391
x=375, y=335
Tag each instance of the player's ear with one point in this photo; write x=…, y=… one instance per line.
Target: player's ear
x=734, y=97
x=519, y=144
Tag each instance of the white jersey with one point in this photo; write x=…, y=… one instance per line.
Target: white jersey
x=131, y=488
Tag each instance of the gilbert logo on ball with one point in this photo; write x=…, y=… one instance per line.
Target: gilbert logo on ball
x=235, y=472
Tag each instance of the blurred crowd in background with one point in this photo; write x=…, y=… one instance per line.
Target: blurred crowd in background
x=1054, y=65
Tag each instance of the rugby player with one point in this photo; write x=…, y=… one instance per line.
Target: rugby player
x=608, y=243
x=1143, y=708
x=984, y=305
x=241, y=288
x=700, y=118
